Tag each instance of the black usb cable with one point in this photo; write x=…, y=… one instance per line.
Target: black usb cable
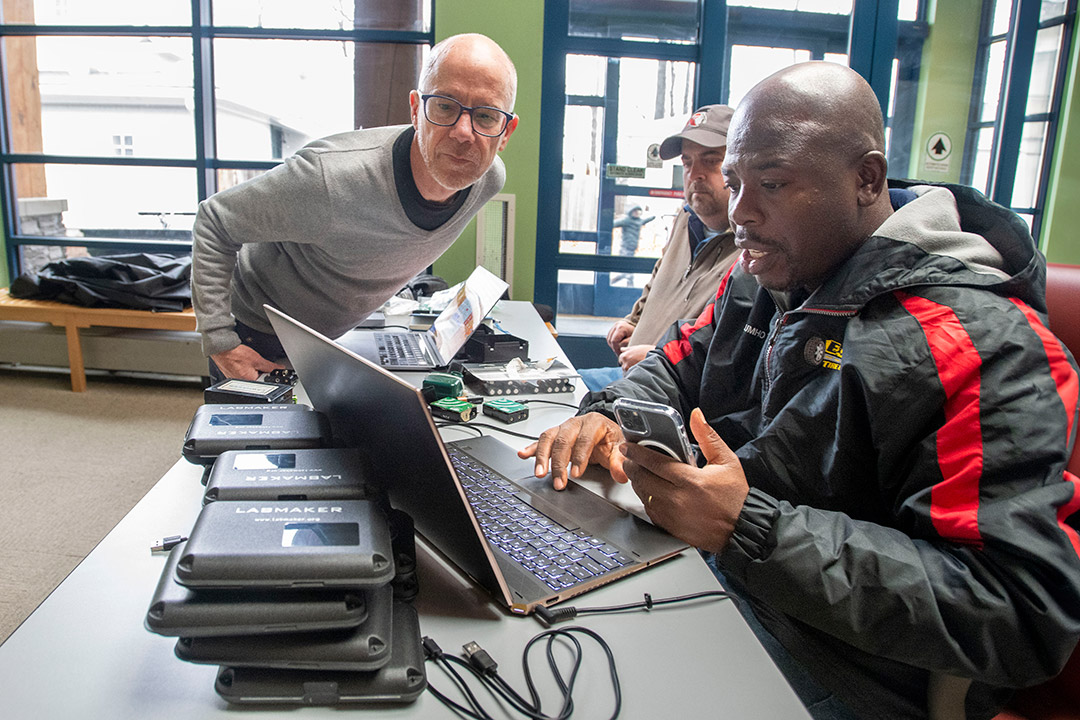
x=482, y=666
x=550, y=616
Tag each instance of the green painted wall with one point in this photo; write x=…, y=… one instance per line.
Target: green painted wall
x=1061, y=221
x=5, y=280
x=944, y=95
x=518, y=28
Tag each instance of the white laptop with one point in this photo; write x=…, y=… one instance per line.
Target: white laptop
x=436, y=346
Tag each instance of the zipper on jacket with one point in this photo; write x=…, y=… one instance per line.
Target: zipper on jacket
x=768, y=353
x=690, y=291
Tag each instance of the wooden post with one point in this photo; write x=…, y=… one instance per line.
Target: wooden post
x=384, y=73
x=24, y=99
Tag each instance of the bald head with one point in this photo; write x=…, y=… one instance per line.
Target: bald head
x=480, y=54
x=814, y=107
x=807, y=173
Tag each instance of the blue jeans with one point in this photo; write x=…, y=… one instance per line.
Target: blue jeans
x=598, y=378
x=265, y=344
x=820, y=702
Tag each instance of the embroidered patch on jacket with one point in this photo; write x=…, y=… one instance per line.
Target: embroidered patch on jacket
x=824, y=353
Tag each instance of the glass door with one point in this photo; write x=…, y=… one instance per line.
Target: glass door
x=618, y=199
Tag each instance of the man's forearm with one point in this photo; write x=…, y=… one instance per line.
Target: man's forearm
x=213, y=261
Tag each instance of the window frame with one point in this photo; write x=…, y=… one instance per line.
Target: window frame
x=876, y=37
x=723, y=27
x=1012, y=116
x=202, y=34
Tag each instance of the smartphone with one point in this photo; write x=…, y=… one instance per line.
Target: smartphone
x=655, y=426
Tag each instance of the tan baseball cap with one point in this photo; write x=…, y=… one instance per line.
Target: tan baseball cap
x=708, y=126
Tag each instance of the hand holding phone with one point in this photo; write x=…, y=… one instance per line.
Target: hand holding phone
x=655, y=426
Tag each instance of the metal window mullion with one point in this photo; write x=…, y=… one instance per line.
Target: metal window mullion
x=130, y=160
x=256, y=33
x=134, y=161
x=606, y=263
x=552, y=119
x=609, y=155
x=94, y=31
x=403, y=37
x=1054, y=116
x=1019, y=56
x=585, y=100
x=872, y=44
x=66, y=241
x=712, y=42
x=7, y=206
x=978, y=94
x=202, y=86
x=612, y=47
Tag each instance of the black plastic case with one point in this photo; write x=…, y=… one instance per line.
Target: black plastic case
x=272, y=426
x=400, y=680
x=365, y=647
x=305, y=474
x=288, y=544
x=176, y=610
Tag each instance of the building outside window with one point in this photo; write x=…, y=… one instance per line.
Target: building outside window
x=207, y=95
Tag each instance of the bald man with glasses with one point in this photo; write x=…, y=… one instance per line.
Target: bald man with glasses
x=337, y=229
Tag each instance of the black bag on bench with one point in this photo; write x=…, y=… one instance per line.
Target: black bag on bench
x=140, y=281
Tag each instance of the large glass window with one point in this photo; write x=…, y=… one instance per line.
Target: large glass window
x=970, y=91
x=272, y=95
x=1023, y=46
x=93, y=89
x=618, y=199
x=121, y=115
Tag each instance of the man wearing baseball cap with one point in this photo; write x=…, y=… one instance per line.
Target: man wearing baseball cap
x=699, y=250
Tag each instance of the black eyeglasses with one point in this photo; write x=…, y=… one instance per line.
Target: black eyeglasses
x=445, y=111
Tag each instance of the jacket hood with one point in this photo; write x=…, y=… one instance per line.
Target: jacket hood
x=946, y=235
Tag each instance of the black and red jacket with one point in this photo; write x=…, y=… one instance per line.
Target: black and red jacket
x=904, y=430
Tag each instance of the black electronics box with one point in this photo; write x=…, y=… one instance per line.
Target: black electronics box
x=288, y=545
x=305, y=474
x=363, y=647
x=248, y=391
x=179, y=611
x=487, y=346
x=401, y=679
x=273, y=426
x=506, y=410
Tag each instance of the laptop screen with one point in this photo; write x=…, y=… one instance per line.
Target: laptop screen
x=371, y=408
x=470, y=305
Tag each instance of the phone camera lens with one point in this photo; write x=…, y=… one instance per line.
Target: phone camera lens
x=634, y=422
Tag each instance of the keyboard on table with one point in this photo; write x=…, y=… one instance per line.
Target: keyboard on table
x=399, y=349
x=558, y=556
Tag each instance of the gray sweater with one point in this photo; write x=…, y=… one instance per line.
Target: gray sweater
x=322, y=237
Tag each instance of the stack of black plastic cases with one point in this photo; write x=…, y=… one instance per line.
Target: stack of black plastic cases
x=296, y=580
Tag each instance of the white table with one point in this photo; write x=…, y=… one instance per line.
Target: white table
x=85, y=654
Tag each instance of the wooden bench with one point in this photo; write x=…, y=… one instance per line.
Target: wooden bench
x=73, y=317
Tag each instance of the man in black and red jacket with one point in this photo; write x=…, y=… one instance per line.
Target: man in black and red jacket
x=884, y=416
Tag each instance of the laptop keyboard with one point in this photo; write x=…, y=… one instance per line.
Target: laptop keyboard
x=399, y=349
x=556, y=555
